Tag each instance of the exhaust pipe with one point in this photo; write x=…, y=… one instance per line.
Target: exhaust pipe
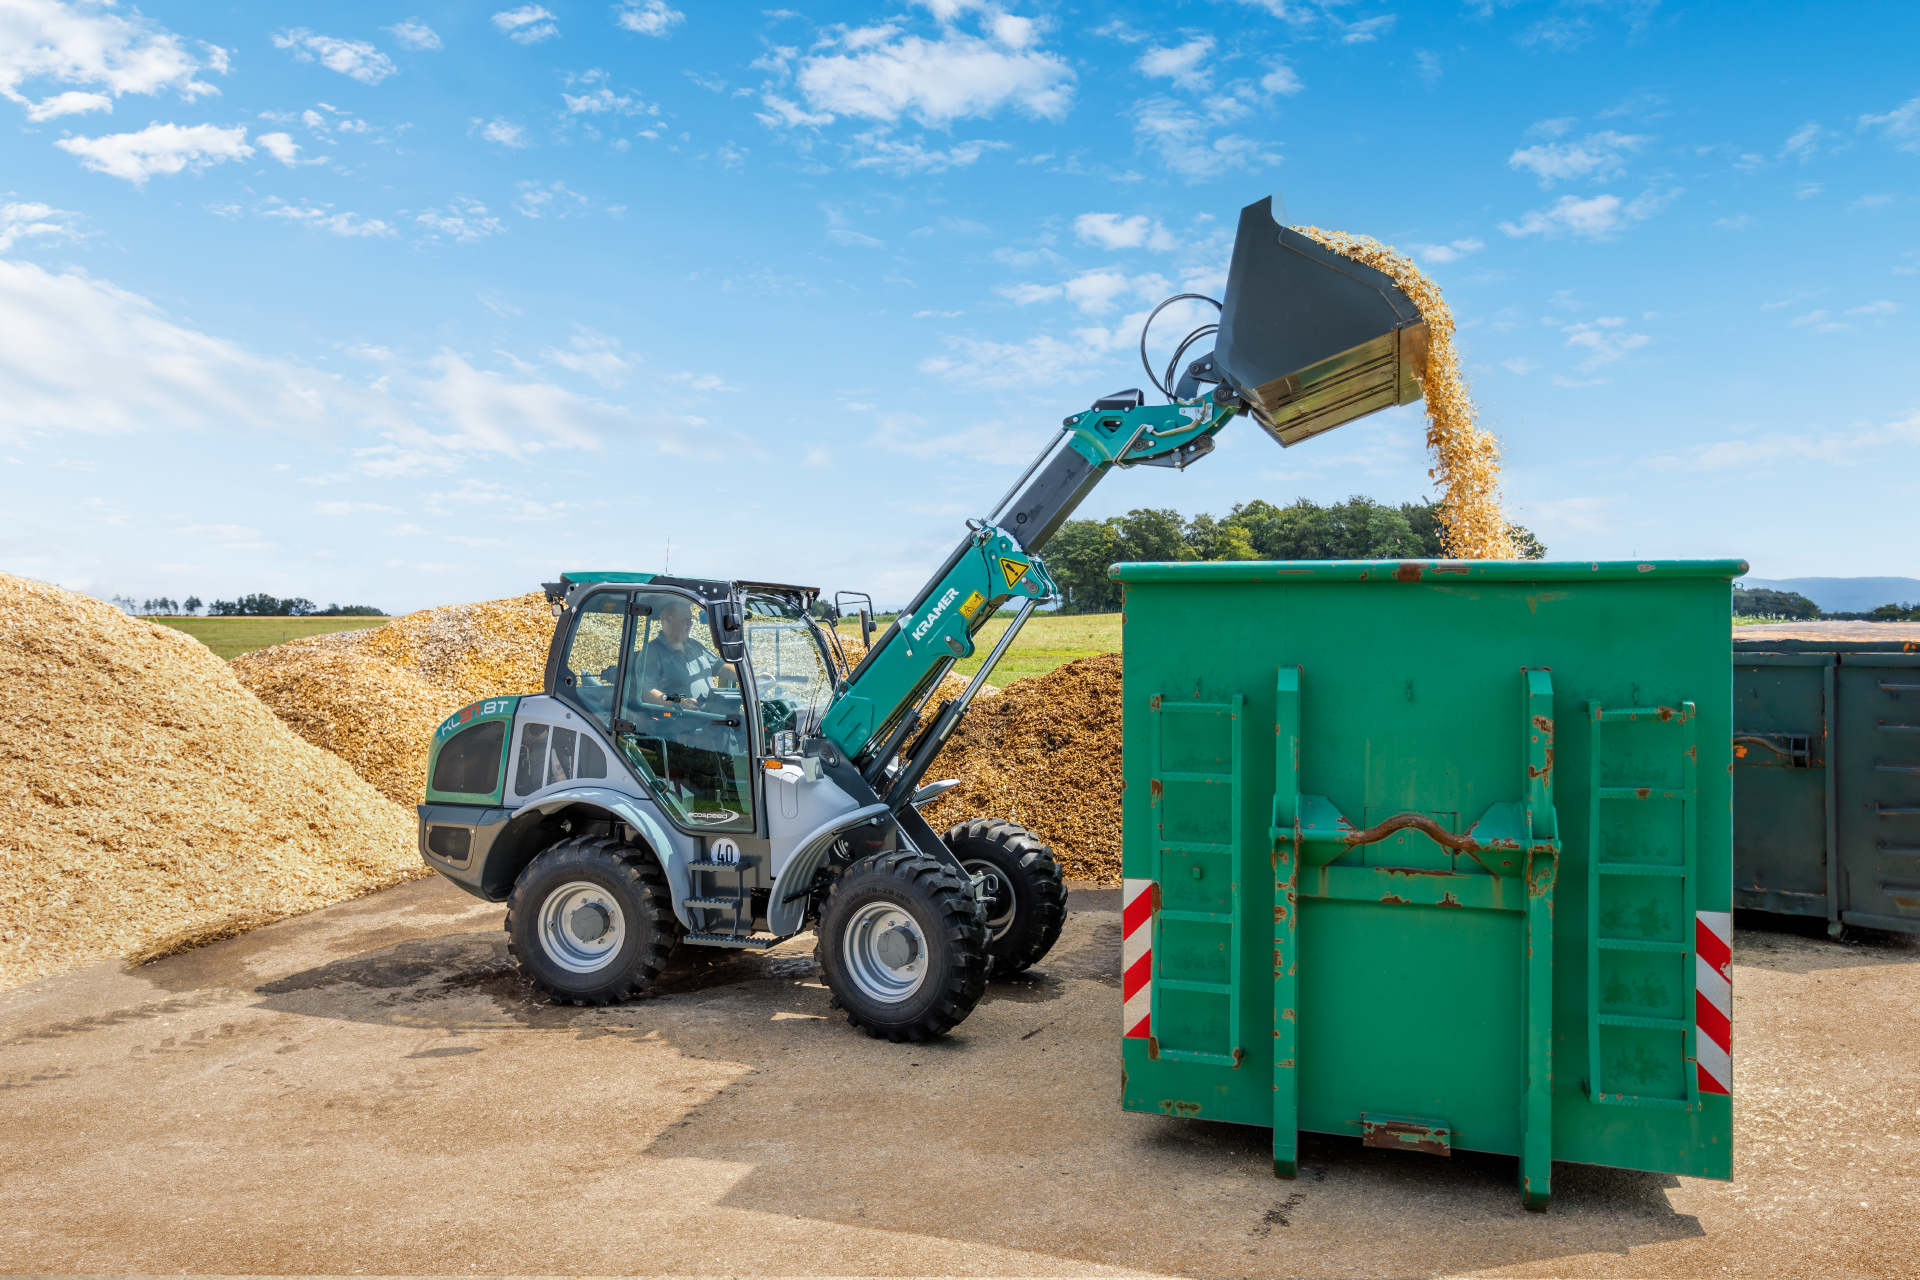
x=1308, y=338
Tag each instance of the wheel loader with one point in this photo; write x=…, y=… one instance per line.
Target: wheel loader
x=698, y=772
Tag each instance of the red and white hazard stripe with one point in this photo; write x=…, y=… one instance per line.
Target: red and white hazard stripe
x=1713, y=1000
x=1136, y=958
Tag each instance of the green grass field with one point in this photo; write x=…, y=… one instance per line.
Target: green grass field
x=1043, y=644
x=231, y=637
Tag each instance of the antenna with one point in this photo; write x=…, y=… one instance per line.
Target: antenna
x=668, y=568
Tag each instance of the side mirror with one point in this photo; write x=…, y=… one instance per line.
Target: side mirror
x=733, y=646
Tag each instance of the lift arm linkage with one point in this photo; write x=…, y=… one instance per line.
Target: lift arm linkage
x=999, y=562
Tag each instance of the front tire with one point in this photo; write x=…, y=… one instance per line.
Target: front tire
x=1024, y=897
x=591, y=921
x=902, y=946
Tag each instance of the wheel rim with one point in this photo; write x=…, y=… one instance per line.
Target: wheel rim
x=997, y=893
x=581, y=927
x=886, y=952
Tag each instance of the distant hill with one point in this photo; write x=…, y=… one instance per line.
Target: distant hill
x=1845, y=595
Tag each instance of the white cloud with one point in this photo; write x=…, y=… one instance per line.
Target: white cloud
x=1452, y=251
x=1180, y=134
x=466, y=220
x=594, y=354
x=603, y=101
x=556, y=198
x=1803, y=144
x=1863, y=445
x=1901, y=126
x=339, y=224
x=1112, y=232
x=955, y=77
x=89, y=45
x=281, y=147
x=1283, y=80
x=1808, y=190
x=74, y=103
x=1884, y=307
x=1095, y=292
x=1604, y=341
x=414, y=34
x=912, y=157
x=853, y=239
x=916, y=438
x=1186, y=65
x=648, y=17
x=159, y=148
x=355, y=59
x=1368, y=30
x=790, y=114
x=39, y=223
x=502, y=133
x=1820, y=322
x=529, y=24
x=1520, y=365
x=1597, y=156
x=81, y=355
x=1024, y=295
x=1601, y=217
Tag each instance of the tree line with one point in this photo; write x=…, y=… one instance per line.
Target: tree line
x=1762, y=602
x=1357, y=529
x=257, y=605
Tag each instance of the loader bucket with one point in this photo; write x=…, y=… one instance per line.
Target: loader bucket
x=1311, y=339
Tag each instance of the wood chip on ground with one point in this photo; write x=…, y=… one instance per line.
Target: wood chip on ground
x=1466, y=458
x=374, y=698
x=1045, y=754
x=149, y=803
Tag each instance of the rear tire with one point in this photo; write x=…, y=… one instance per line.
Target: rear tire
x=1025, y=900
x=902, y=946
x=591, y=921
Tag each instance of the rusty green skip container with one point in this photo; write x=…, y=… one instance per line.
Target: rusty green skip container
x=1434, y=854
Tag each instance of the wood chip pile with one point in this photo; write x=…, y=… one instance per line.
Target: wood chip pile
x=149, y=803
x=1045, y=753
x=374, y=698
x=1466, y=459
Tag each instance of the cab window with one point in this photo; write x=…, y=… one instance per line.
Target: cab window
x=681, y=723
x=593, y=655
x=792, y=681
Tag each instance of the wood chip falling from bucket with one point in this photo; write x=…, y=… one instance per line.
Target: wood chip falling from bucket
x=1466, y=459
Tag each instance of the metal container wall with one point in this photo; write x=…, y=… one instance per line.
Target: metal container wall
x=1876, y=790
x=1435, y=854
x=1782, y=778
x=1827, y=785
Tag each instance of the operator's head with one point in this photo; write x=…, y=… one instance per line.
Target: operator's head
x=676, y=619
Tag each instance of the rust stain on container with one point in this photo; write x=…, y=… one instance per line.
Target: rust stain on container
x=1407, y=573
x=1407, y=1133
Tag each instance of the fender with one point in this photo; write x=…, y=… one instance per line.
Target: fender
x=785, y=917
x=672, y=859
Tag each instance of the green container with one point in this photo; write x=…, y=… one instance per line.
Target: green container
x=1434, y=854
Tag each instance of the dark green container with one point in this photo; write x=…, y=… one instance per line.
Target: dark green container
x=1827, y=783
x=1434, y=854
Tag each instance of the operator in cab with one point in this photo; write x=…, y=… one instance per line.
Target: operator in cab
x=676, y=668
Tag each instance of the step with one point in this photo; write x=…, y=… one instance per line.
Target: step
x=728, y=901
x=746, y=941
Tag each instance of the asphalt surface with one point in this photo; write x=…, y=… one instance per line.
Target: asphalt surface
x=371, y=1088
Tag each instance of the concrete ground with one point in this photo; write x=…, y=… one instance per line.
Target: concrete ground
x=371, y=1088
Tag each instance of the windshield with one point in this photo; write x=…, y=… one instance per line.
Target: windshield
x=790, y=674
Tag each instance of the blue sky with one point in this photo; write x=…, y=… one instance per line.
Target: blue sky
x=406, y=305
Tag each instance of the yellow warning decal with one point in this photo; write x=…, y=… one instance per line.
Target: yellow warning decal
x=1012, y=571
x=971, y=605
